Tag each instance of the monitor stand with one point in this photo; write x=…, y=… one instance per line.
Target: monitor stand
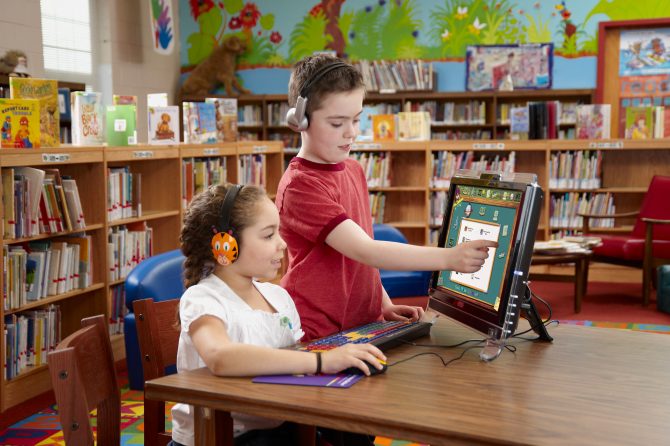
x=494, y=345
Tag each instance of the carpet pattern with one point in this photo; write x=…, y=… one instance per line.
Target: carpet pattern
x=43, y=428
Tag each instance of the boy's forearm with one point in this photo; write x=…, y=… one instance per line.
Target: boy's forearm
x=405, y=257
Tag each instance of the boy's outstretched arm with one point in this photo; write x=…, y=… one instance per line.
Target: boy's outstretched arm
x=350, y=240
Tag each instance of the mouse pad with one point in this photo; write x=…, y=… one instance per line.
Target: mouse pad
x=338, y=381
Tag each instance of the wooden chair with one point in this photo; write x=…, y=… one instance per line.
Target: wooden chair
x=83, y=377
x=648, y=245
x=158, y=338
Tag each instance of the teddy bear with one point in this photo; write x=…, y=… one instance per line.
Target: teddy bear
x=14, y=63
x=219, y=66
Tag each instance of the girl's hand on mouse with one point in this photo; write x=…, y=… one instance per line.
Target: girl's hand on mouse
x=351, y=355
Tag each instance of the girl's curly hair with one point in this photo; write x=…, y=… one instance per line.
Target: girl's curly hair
x=203, y=214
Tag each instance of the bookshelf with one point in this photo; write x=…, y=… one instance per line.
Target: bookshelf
x=162, y=203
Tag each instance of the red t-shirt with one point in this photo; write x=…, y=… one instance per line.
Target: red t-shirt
x=331, y=291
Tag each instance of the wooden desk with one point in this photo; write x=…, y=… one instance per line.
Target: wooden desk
x=591, y=386
x=580, y=279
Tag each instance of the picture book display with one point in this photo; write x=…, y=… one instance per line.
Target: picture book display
x=87, y=120
x=121, y=125
x=593, y=121
x=163, y=125
x=226, y=118
x=199, y=121
x=20, y=128
x=639, y=122
x=46, y=92
x=126, y=99
x=384, y=127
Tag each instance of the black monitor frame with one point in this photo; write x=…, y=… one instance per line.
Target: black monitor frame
x=500, y=324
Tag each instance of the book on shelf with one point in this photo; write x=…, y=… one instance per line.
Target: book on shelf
x=413, y=126
x=383, y=127
x=87, y=118
x=157, y=100
x=127, y=99
x=593, y=121
x=121, y=125
x=45, y=91
x=163, y=125
x=64, y=104
x=199, y=121
x=519, y=122
x=20, y=123
x=226, y=118
x=639, y=123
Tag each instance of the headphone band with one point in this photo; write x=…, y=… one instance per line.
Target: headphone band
x=227, y=207
x=318, y=75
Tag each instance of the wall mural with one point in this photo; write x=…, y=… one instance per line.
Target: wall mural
x=281, y=32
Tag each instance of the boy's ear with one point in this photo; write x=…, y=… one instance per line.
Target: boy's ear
x=296, y=118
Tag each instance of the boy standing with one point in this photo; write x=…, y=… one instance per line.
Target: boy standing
x=333, y=272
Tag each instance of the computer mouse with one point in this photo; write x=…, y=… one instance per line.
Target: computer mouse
x=373, y=370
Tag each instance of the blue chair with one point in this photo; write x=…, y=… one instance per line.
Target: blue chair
x=159, y=277
x=400, y=283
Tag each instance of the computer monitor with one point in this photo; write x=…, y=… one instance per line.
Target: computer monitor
x=504, y=207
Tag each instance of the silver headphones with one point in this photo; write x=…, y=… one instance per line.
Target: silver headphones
x=296, y=118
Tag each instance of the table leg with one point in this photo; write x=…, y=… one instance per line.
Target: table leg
x=581, y=276
x=212, y=427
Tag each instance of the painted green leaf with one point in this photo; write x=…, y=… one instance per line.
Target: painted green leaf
x=268, y=21
x=234, y=6
x=308, y=36
x=201, y=46
x=210, y=22
x=627, y=9
x=258, y=51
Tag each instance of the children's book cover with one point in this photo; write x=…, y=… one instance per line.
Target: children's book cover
x=87, y=120
x=593, y=121
x=519, y=120
x=64, y=106
x=383, y=127
x=366, y=123
x=639, y=122
x=46, y=92
x=157, y=100
x=20, y=123
x=226, y=118
x=199, y=123
x=121, y=125
x=163, y=125
x=126, y=99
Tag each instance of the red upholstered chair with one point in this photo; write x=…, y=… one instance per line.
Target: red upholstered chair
x=648, y=245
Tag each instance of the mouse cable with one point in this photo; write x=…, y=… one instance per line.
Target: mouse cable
x=479, y=341
x=444, y=362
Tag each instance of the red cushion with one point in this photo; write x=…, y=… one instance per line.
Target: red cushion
x=626, y=248
x=655, y=205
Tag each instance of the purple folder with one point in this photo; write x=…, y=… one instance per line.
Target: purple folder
x=337, y=381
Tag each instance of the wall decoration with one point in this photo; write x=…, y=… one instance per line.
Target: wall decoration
x=161, y=26
x=644, y=51
x=528, y=66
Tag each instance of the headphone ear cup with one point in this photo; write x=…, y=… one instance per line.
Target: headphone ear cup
x=296, y=118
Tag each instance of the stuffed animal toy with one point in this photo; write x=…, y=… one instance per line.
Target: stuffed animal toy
x=14, y=63
x=218, y=66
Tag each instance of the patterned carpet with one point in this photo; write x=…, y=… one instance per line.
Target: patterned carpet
x=43, y=428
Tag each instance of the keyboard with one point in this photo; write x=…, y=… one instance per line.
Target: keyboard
x=384, y=335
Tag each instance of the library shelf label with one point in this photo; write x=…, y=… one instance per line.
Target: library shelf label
x=260, y=149
x=55, y=157
x=489, y=145
x=143, y=154
x=210, y=152
x=606, y=145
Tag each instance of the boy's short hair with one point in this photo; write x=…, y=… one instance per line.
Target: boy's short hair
x=344, y=79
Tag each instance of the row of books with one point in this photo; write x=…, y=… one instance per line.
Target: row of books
x=567, y=113
x=377, y=204
x=214, y=120
x=290, y=140
x=452, y=135
x=541, y=120
x=564, y=209
x=445, y=164
x=29, y=337
x=400, y=75
x=580, y=169
x=451, y=113
x=277, y=113
x=39, y=201
x=200, y=173
x=647, y=122
x=252, y=169
x=377, y=167
x=123, y=193
x=45, y=268
x=438, y=200
x=127, y=246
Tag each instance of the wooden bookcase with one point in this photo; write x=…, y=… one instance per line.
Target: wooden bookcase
x=162, y=210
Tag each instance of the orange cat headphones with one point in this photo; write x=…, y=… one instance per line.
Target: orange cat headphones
x=225, y=246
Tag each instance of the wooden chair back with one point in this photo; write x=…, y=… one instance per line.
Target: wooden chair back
x=158, y=338
x=83, y=378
